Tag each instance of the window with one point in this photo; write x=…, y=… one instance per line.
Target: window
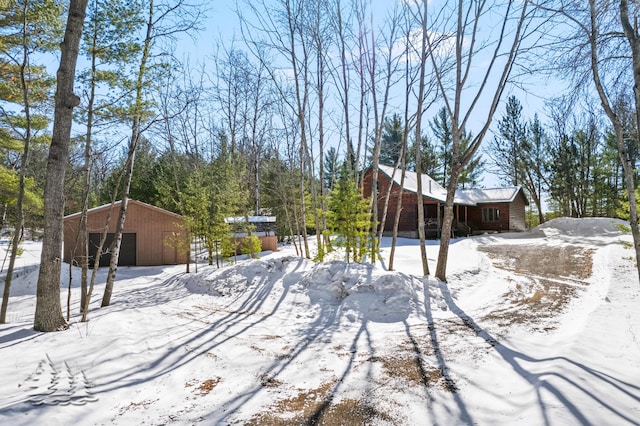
x=490, y=214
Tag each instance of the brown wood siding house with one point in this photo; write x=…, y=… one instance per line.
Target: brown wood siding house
x=149, y=235
x=475, y=210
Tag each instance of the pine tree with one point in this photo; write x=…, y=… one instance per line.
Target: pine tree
x=536, y=164
x=109, y=45
x=27, y=29
x=441, y=128
x=508, y=148
x=429, y=158
x=391, y=142
x=440, y=166
x=331, y=168
x=349, y=217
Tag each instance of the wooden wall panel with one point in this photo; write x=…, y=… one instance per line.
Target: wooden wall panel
x=150, y=224
x=517, y=220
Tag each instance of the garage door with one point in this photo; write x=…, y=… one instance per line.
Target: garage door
x=127, y=249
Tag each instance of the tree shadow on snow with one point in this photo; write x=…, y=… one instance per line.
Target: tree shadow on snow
x=198, y=339
x=601, y=388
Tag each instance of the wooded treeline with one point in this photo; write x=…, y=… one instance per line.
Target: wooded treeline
x=284, y=119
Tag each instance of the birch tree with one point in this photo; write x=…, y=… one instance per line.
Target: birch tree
x=464, y=87
x=381, y=80
x=426, y=50
x=109, y=45
x=164, y=21
x=411, y=73
x=603, y=47
x=280, y=29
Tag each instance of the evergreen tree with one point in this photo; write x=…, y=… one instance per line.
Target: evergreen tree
x=349, y=217
x=571, y=172
x=391, y=142
x=536, y=164
x=608, y=179
x=440, y=166
x=331, y=168
x=27, y=29
x=507, y=150
x=429, y=159
x=442, y=131
x=471, y=175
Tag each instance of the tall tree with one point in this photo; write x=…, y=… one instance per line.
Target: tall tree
x=471, y=175
x=631, y=32
x=331, y=166
x=454, y=76
x=410, y=75
x=391, y=142
x=109, y=45
x=281, y=28
x=28, y=28
x=381, y=81
x=164, y=20
x=442, y=132
x=536, y=164
x=507, y=148
x=48, y=315
x=612, y=66
x=424, y=54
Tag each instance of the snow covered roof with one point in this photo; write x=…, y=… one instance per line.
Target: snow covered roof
x=430, y=188
x=490, y=195
x=435, y=191
x=252, y=219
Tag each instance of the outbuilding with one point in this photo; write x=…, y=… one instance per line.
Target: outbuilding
x=264, y=227
x=151, y=235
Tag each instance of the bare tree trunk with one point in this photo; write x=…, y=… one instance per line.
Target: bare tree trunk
x=117, y=239
x=363, y=95
x=468, y=22
x=403, y=151
x=133, y=144
x=423, y=65
x=631, y=32
x=83, y=235
x=379, y=119
x=48, y=315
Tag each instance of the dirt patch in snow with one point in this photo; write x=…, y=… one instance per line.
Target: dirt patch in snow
x=316, y=406
x=548, y=277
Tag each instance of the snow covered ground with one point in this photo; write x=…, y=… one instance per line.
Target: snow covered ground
x=540, y=327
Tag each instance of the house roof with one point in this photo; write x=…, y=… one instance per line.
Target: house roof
x=430, y=188
x=490, y=195
x=435, y=191
x=117, y=203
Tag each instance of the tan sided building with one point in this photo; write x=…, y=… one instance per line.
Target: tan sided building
x=151, y=235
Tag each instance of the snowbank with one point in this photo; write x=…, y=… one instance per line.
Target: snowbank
x=360, y=291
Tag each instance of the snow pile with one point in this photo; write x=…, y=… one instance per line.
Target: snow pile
x=582, y=228
x=362, y=291
x=245, y=275
x=359, y=291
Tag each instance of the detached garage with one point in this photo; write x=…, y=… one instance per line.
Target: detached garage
x=151, y=235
